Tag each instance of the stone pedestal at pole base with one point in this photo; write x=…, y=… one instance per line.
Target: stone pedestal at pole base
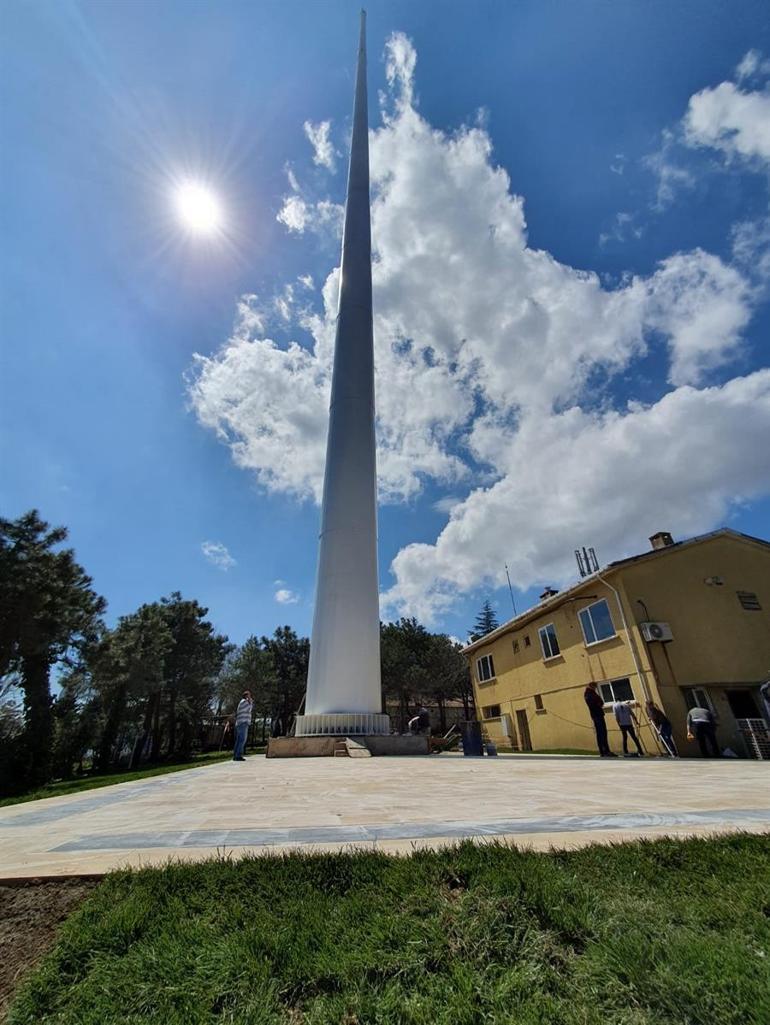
x=327, y=747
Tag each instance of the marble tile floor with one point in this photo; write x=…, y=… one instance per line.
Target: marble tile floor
x=391, y=804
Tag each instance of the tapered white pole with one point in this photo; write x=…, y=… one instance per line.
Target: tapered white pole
x=343, y=687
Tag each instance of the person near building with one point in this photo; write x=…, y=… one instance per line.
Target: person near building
x=764, y=693
x=243, y=715
x=420, y=724
x=701, y=726
x=596, y=708
x=662, y=724
x=626, y=720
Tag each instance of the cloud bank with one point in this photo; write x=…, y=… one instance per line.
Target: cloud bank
x=498, y=370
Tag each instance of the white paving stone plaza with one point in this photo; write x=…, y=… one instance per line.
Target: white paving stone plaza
x=392, y=804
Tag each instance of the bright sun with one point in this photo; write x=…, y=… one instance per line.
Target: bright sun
x=198, y=208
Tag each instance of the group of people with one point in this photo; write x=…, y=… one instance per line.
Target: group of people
x=701, y=726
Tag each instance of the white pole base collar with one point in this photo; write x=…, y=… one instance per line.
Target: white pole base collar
x=343, y=724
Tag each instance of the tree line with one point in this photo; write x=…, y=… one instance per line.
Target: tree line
x=76, y=695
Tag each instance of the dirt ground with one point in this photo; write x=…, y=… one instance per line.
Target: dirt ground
x=30, y=914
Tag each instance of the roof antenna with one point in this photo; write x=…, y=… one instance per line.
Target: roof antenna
x=508, y=575
x=587, y=561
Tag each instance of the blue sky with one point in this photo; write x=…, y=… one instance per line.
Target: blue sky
x=572, y=234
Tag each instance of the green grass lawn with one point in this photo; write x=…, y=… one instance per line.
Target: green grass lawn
x=72, y=786
x=650, y=932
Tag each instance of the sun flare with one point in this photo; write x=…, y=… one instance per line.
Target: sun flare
x=198, y=208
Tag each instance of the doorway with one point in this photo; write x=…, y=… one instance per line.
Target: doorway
x=742, y=704
x=524, y=738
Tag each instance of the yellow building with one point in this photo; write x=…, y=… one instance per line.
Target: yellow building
x=684, y=624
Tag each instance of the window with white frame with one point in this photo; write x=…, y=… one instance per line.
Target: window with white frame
x=485, y=668
x=596, y=622
x=616, y=690
x=491, y=711
x=698, y=697
x=548, y=641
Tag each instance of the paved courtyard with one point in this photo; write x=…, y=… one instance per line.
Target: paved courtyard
x=393, y=804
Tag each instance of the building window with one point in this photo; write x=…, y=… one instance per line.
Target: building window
x=515, y=647
x=698, y=697
x=596, y=622
x=749, y=601
x=539, y=702
x=616, y=690
x=491, y=711
x=526, y=640
x=485, y=668
x=548, y=641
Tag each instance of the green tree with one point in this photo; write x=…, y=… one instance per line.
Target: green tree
x=486, y=622
x=156, y=675
x=129, y=676
x=49, y=614
x=290, y=656
x=448, y=676
x=418, y=666
x=77, y=723
x=405, y=648
x=249, y=667
x=11, y=718
x=191, y=667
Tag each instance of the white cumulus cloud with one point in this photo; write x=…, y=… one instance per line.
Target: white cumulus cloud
x=218, y=555
x=494, y=366
x=732, y=119
x=752, y=64
x=294, y=213
x=319, y=137
x=286, y=597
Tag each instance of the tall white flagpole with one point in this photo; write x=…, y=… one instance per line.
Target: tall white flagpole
x=343, y=687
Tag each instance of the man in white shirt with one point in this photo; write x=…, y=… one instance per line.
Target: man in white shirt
x=626, y=719
x=242, y=722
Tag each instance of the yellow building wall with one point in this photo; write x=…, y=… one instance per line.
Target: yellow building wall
x=564, y=721
x=716, y=643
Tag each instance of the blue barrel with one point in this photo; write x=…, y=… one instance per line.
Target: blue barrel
x=470, y=730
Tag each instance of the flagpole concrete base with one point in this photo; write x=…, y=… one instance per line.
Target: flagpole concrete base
x=326, y=747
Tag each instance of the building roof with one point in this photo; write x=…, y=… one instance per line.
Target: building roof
x=612, y=567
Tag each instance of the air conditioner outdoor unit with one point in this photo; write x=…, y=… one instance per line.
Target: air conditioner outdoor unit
x=656, y=631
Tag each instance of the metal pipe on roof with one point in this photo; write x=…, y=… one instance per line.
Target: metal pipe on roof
x=642, y=679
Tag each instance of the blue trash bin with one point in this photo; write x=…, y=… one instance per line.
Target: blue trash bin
x=470, y=730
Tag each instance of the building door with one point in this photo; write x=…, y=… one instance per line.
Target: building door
x=742, y=704
x=524, y=738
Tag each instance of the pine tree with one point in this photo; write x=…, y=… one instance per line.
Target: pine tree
x=486, y=622
x=49, y=614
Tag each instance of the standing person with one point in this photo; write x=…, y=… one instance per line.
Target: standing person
x=764, y=693
x=242, y=722
x=626, y=720
x=420, y=724
x=662, y=724
x=701, y=725
x=596, y=708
